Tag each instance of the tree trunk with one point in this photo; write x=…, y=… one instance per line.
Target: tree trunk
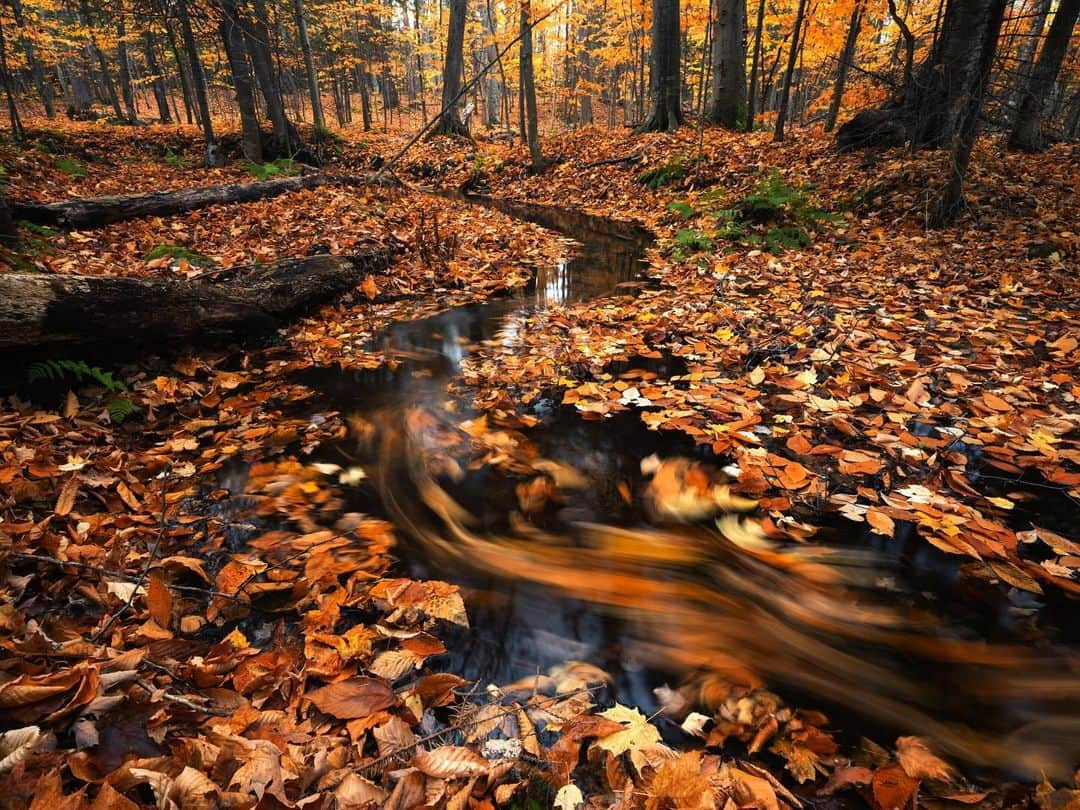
x=184, y=75
x=198, y=80
x=5, y=77
x=42, y=310
x=450, y=122
x=528, y=88
x=232, y=38
x=1027, y=129
x=37, y=73
x=127, y=91
x=947, y=79
x=103, y=64
x=96, y=212
x=755, y=69
x=951, y=201
x=909, y=48
x=1025, y=55
x=257, y=40
x=727, y=93
x=785, y=93
x=309, y=66
x=665, y=84
x=847, y=58
x=157, y=81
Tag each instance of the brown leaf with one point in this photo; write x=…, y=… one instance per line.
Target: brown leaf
x=354, y=698
x=450, y=762
x=919, y=762
x=159, y=600
x=66, y=500
x=893, y=788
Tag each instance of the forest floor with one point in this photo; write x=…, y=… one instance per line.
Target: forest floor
x=180, y=633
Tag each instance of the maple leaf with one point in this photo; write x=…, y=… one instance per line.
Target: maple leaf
x=637, y=732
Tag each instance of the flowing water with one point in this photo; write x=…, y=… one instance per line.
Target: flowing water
x=881, y=632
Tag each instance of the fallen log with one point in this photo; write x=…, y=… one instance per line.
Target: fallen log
x=95, y=212
x=45, y=311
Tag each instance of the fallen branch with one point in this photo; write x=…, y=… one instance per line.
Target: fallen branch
x=39, y=310
x=634, y=158
x=95, y=212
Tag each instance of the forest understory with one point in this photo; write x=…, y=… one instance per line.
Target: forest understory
x=837, y=512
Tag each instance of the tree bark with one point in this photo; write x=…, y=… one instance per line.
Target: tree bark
x=528, y=89
x=232, y=38
x=37, y=73
x=755, y=69
x=847, y=57
x=785, y=93
x=157, y=80
x=1025, y=54
x=450, y=122
x=727, y=92
x=257, y=41
x=127, y=90
x=951, y=200
x=309, y=66
x=198, y=81
x=665, y=83
x=96, y=212
x=1027, y=129
x=47, y=311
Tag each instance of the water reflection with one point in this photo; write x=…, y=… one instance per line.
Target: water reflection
x=841, y=625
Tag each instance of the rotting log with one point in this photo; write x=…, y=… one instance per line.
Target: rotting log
x=95, y=212
x=46, y=311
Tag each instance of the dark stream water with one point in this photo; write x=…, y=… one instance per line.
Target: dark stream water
x=882, y=633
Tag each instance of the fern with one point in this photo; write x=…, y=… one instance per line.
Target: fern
x=119, y=405
x=120, y=408
x=175, y=160
x=663, y=175
x=71, y=166
x=264, y=171
x=684, y=210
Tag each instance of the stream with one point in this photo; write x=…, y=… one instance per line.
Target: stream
x=881, y=633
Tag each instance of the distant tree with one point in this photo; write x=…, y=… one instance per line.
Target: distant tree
x=665, y=82
x=1027, y=127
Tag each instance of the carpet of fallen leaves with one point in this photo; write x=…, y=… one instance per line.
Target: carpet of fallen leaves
x=192, y=619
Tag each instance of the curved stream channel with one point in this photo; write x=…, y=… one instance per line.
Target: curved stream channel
x=882, y=634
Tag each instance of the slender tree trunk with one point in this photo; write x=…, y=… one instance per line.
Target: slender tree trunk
x=199, y=81
x=909, y=48
x=185, y=77
x=5, y=76
x=1027, y=128
x=420, y=61
x=232, y=38
x=309, y=66
x=1025, y=55
x=951, y=201
x=751, y=103
x=37, y=72
x=450, y=122
x=127, y=90
x=665, y=85
x=528, y=88
x=847, y=58
x=103, y=63
x=785, y=93
x=157, y=81
x=727, y=95
x=257, y=42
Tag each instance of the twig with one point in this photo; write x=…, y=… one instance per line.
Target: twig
x=146, y=568
x=151, y=689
